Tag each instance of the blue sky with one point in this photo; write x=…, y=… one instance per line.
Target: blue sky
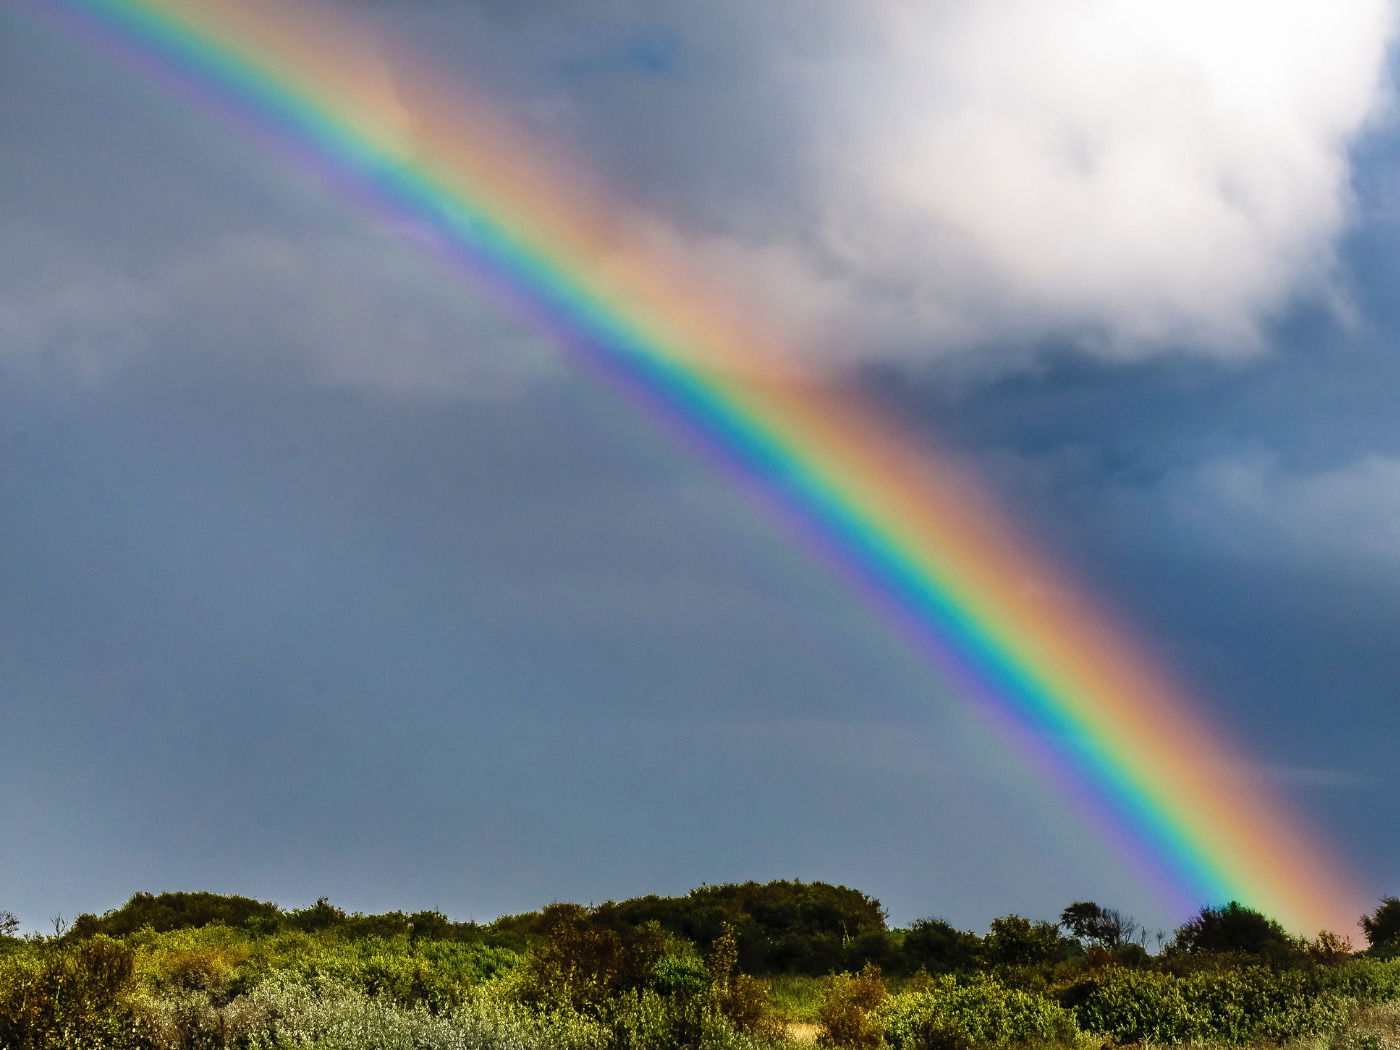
x=318, y=576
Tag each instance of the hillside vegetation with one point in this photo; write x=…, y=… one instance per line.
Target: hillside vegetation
x=749, y=967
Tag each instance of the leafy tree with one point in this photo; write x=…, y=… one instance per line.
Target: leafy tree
x=1232, y=928
x=9, y=925
x=1016, y=941
x=1098, y=926
x=176, y=911
x=779, y=927
x=323, y=915
x=935, y=946
x=1382, y=926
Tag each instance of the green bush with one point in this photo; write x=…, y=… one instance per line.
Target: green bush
x=323, y=1015
x=679, y=976
x=76, y=997
x=433, y=974
x=1367, y=980
x=173, y=911
x=978, y=1013
x=1230, y=1006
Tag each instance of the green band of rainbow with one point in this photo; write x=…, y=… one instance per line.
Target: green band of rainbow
x=896, y=521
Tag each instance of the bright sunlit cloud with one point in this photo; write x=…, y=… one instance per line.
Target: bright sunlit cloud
x=1130, y=177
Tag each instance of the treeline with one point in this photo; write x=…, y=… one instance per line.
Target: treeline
x=781, y=927
x=736, y=967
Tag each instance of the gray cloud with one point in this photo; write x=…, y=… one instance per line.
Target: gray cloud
x=355, y=310
x=1252, y=507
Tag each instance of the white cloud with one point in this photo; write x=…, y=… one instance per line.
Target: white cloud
x=1134, y=175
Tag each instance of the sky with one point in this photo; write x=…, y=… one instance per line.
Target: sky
x=322, y=576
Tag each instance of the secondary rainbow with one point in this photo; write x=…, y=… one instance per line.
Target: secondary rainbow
x=924, y=543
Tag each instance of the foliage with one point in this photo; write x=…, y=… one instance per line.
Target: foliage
x=936, y=947
x=585, y=964
x=980, y=1012
x=795, y=998
x=1368, y=1027
x=1382, y=927
x=432, y=974
x=780, y=927
x=325, y=1016
x=1328, y=948
x=848, y=1016
x=174, y=911
x=621, y=978
x=1235, y=1005
x=1016, y=941
x=1233, y=928
x=1366, y=980
x=163, y=912
x=1098, y=926
x=70, y=998
x=737, y=997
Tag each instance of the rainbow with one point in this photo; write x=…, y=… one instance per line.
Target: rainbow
x=1023, y=642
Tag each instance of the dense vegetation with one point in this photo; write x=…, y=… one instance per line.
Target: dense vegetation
x=749, y=966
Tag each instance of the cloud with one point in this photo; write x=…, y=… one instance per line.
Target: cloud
x=1346, y=516
x=1351, y=511
x=340, y=310
x=65, y=316
x=892, y=179
x=1137, y=176
x=907, y=178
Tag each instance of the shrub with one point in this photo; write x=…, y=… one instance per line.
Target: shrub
x=1368, y=1027
x=181, y=962
x=580, y=963
x=71, y=998
x=323, y=1015
x=1367, y=980
x=173, y=911
x=1328, y=948
x=848, y=1016
x=979, y=1013
x=736, y=997
x=1231, y=1006
x=679, y=977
